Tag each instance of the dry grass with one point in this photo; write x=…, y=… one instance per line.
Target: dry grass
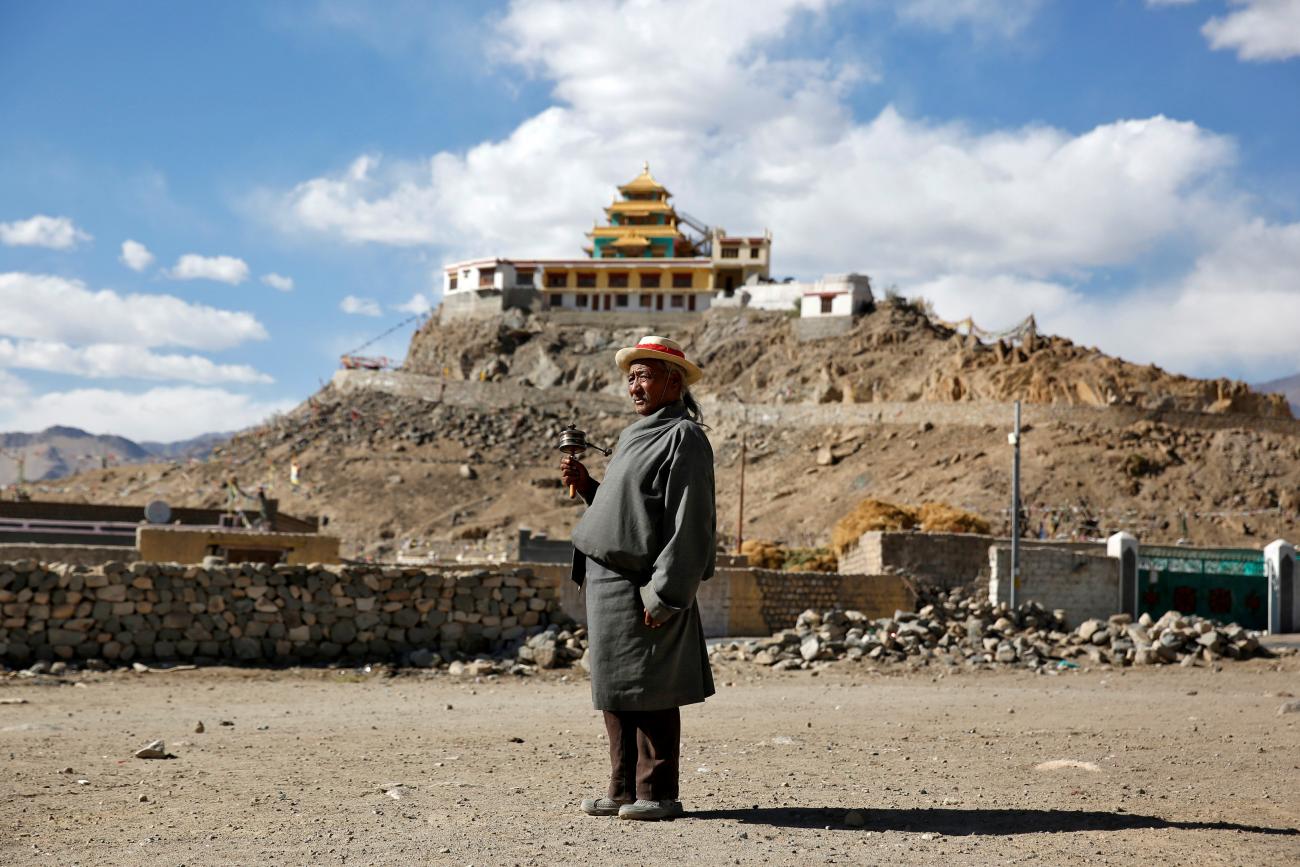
x=943, y=518
x=879, y=515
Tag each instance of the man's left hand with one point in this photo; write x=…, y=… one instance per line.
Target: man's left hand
x=650, y=621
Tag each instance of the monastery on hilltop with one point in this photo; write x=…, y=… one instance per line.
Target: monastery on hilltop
x=647, y=258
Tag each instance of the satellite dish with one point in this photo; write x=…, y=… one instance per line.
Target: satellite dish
x=157, y=512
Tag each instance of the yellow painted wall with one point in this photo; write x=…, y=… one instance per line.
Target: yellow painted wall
x=701, y=279
x=190, y=544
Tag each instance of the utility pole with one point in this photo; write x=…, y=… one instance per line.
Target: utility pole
x=1015, y=509
x=740, y=511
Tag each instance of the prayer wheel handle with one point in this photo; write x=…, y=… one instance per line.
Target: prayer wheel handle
x=573, y=442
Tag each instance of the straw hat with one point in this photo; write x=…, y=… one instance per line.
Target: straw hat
x=663, y=349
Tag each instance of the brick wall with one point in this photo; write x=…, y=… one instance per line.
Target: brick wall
x=1084, y=584
x=946, y=559
x=753, y=602
x=256, y=612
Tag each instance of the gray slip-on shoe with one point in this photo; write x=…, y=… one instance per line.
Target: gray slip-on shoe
x=601, y=806
x=651, y=810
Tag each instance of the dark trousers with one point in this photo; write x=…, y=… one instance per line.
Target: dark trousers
x=644, y=746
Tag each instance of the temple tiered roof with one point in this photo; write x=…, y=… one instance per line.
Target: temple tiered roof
x=642, y=224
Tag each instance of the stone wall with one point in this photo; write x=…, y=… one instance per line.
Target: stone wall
x=541, y=548
x=748, y=602
x=960, y=414
x=808, y=328
x=1085, y=584
x=946, y=559
x=260, y=613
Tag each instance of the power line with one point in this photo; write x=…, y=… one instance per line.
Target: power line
x=375, y=340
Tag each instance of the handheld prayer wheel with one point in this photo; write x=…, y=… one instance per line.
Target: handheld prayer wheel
x=573, y=442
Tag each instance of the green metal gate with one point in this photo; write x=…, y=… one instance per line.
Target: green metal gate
x=1224, y=584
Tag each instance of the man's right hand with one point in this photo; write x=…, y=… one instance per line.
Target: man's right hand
x=572, y=472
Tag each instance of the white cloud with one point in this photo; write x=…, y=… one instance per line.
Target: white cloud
x=417, y=304
x=360, y=306
x=277, y=281
x=1258, y=30
x=163, y=414
x=1006, y=17
x=57, y=233
x=113, y=360
x=1237, y=304
x=46, y=307
x=992, y=223
x=136, y=256
x=223, y=269
x=1003, y=300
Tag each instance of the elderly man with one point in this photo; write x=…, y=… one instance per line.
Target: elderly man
x=641, y=550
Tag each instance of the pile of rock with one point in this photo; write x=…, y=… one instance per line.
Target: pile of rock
x=554, y=647
x=959, y=627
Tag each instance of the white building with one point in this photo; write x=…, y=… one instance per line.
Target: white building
x=836, y=295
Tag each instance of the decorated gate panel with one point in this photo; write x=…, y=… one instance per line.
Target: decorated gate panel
x=1224, y=584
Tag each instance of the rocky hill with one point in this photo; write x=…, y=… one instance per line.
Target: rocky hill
x=451, y=455
x=897, y=353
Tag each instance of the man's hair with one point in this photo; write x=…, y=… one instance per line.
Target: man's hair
x=693, y=411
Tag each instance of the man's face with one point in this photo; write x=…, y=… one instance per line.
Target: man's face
x=652, y=386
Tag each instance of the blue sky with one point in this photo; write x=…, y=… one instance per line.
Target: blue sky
x=1125, y=170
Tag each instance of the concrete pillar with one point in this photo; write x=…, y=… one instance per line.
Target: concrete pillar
x=1283, y=600
x=1124, y=547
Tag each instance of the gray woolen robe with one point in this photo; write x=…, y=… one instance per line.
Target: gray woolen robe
x=645, y=543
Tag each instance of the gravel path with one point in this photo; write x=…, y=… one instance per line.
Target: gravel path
x=1191, y=766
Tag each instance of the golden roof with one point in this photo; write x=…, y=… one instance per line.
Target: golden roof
x=643, y=183
x=631, y=241
x=623, y=231
x=639, y=206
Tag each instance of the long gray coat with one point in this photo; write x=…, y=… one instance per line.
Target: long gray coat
x=645, y=543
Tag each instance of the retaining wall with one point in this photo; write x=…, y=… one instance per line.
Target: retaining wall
x=256, y=612
x=966, y=413
x=1084, y=584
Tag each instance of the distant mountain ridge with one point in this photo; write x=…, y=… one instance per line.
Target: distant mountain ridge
x=61, y=451
x=1287, y=386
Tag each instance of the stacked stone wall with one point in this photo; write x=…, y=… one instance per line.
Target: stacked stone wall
x=260, y=613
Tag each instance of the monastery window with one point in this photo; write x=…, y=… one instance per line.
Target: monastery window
x=682, y=281
x=755, y=252
x=586, y=281
x=645, y=300
x=827, y=303
x=652, y=281
x=485, y=276
x=579, y=300
x=554, y=299
x=618, y=281
x=524, y=278
x=677, y=301
x=620, y=300
x=731, y=252
x=556, y=279
x=452, y=281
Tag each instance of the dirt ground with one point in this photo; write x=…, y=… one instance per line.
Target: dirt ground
x=1193, y=766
